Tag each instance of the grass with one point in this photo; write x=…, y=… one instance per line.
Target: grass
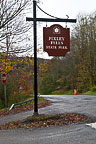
x=70, y=92
x=90, y=93
x=18, y=98
x=40, y=99
x=63, y=92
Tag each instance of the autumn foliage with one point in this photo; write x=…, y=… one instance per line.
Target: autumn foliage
x=20, y=77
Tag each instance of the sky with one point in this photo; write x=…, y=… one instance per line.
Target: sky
x=61, y=8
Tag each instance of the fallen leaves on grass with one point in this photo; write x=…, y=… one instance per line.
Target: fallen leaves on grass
x=46, y=121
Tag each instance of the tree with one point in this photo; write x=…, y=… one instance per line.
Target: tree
x=10, y=9
x=13, y=25
x=84, y=44
x=12, y=28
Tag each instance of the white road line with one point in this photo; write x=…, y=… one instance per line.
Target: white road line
x=93, y=125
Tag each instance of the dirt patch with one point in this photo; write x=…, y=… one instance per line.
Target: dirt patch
x=38, y=121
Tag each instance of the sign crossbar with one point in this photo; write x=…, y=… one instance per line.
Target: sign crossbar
x=51, y=20
x=35, y=19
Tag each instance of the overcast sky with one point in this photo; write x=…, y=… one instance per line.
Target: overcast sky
x=61, y=8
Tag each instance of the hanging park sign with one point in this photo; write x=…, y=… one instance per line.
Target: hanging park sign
x=56, y=40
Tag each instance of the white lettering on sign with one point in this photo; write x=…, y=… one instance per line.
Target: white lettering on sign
x=56, y=43
x=56, y=47
x=56, y=38
x=62, y=47
x=51, y=47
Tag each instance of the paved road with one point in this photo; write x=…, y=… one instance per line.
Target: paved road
x=71, y=134
x=72, y=103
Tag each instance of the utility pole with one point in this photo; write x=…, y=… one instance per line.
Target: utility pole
x=35, y=19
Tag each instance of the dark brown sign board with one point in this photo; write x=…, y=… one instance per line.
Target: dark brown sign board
x=56, y=40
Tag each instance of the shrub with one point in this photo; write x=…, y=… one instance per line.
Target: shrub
x=93, y=89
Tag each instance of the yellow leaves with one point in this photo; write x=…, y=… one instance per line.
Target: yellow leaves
x=43, y=67
x=5, y=65
x=31, y=61
x=9, y=63
x=26, y=62
x=6, y=68
x=31, y=74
